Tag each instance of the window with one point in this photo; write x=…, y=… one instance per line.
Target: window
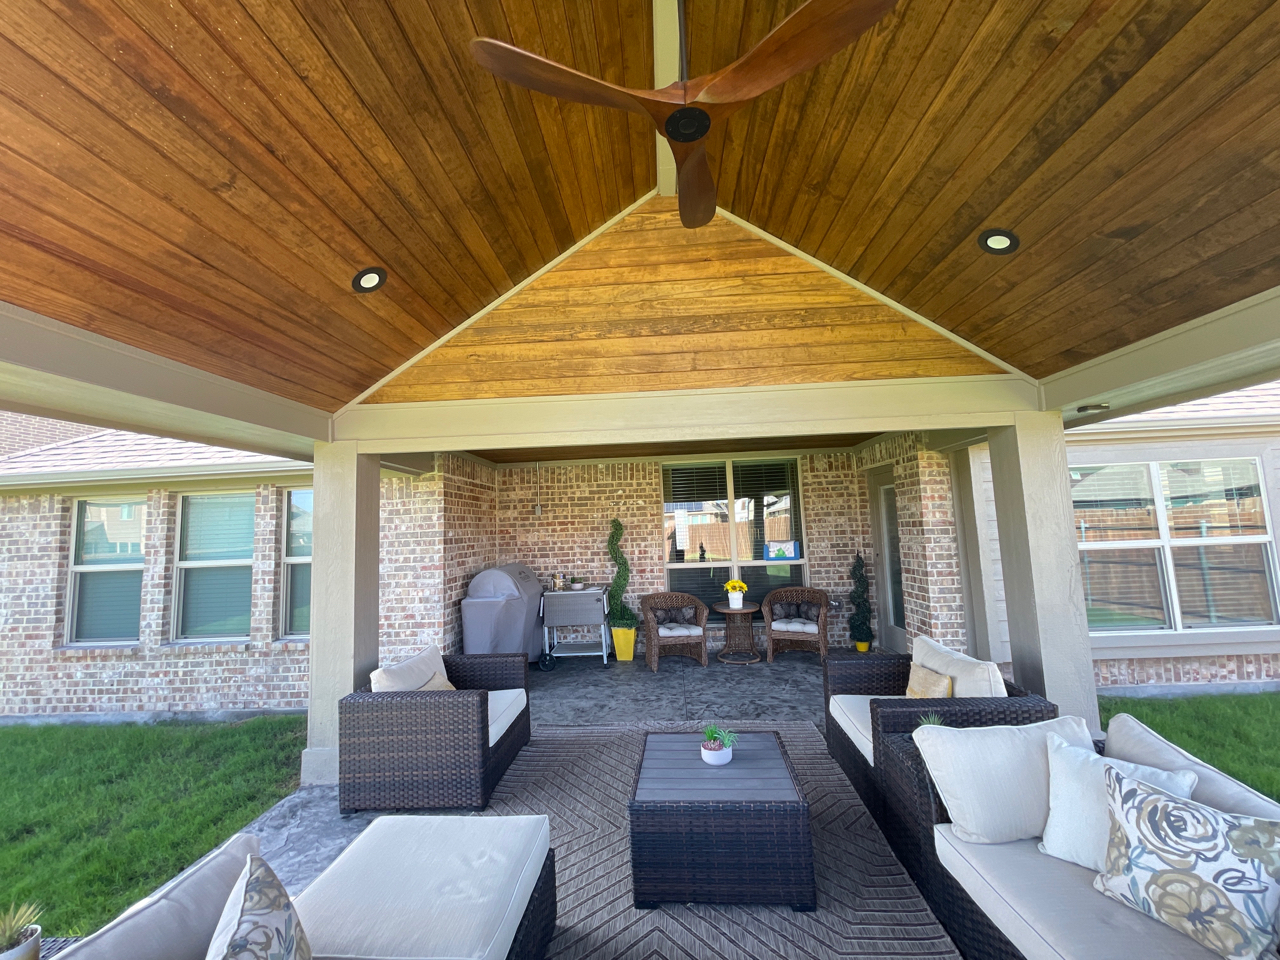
x=736, y=519
x=215, y=566
x=106, y=571
x=297, y=565
x=1174, y=546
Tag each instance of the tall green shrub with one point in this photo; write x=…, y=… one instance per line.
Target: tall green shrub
x=620, y=615
x=860, y=603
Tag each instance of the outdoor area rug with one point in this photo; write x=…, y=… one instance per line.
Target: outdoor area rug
x=581, y=777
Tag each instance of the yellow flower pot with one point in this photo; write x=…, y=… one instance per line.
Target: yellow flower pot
x=862, y=647
x=624, y=642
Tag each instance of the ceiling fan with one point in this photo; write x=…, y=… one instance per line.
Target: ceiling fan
x=685, y=111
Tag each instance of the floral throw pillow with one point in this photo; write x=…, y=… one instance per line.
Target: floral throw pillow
x=259, y=922
x=1213, y=876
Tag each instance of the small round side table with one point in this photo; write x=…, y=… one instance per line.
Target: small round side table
x=739, y=642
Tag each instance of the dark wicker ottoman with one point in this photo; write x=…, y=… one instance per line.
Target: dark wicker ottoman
x=732, y=834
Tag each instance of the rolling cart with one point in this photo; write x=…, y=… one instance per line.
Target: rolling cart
x=573, y=608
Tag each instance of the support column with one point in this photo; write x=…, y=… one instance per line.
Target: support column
x=978, y=556
x=1048, y=629
x=344, y=595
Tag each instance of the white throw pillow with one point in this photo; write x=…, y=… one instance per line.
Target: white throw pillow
x=259, y=921
x=970, y=677
x=409, y=674
x=1078, y=820
x=995, y=780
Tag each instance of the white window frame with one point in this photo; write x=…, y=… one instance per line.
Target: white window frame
x=75, y=569
x=180, y=565
x=286, y=562
x=734, y=564
x=1165, y=543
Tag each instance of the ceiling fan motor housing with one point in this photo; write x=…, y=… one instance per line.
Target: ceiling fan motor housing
x=688, y=124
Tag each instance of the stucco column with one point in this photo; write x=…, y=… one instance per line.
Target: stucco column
x=344, y=595
x=1048, y=630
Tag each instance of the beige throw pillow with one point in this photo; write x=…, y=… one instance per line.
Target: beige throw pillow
x=970, y=677
x=925, y=684
x=438, y=681
x=409, y=674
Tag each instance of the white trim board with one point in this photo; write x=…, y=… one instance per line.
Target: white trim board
x=489, y=308
x=869, y=406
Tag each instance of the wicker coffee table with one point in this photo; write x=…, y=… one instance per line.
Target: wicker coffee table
x=732, y=834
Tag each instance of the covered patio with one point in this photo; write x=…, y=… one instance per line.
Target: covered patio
x=487, y=316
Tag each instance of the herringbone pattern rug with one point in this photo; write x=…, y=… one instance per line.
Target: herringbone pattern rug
x=582, y=777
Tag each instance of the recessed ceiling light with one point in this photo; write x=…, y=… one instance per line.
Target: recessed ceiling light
x=368, y=280
x=999, y=242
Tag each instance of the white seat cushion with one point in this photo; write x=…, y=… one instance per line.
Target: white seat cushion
x=504, y=707
x=679, y=630
x=178, y=921
x=795, y=625
x=426, y=887
x=853, y=712
x=1130, y=739
x=1048, y=908
x=409, y=674
x=971, y=678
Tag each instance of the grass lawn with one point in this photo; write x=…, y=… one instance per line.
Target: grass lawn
x=1237, y=733
x=94, y=817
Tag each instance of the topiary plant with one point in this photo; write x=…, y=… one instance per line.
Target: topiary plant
x=860, y=602
x=620, y=615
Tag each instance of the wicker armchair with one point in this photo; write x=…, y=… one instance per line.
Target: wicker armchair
x=656, y=646
x=780, y=640
x=429, y=749
x=886, y=675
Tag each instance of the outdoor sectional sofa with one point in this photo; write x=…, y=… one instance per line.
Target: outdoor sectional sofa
x=1009, y=901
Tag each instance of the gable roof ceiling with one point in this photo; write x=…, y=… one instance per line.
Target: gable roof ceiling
x=201, y=179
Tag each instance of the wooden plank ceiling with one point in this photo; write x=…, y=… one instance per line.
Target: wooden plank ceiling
x=1131, y=144
x=203, y=178
x=649, y=305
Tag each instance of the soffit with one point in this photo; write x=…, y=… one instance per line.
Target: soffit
x=203, y=179
x=649, y=305
x=1129, y=143
x=669, y=449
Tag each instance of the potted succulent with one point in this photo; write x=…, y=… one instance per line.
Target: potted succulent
x=717, y=745
x=622, y=619
x=575, y=583
x=19, y=933
x=735, y=589
x=860, y=604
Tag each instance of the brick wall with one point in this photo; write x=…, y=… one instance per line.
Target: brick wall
x=1227, y=668
x=20, y=432
x=412, y=563
x=837, y=526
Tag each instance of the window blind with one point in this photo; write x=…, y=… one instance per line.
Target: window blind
x=218, y=527
x=215, y=601
x=300, y=509
x=108, y=605
x=695, y=483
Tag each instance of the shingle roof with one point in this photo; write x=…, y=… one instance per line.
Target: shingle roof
x=112, y=451
x=1262, y=400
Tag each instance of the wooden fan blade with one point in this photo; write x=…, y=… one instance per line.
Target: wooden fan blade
x=546, y=76
x=813, y=32
x=695, y=186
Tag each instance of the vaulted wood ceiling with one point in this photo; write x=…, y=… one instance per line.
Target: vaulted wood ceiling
x=202, y=178
x=649, y=305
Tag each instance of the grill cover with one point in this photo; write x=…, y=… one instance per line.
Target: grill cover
x=500, y=612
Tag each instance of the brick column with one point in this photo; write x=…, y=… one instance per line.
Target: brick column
x=159, y=568
x=264, y=604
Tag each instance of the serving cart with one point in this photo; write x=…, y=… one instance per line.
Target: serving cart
x=573, y=608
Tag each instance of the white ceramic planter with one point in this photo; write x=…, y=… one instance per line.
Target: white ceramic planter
x=735, y=600
x=29, y=949
x=717, y=758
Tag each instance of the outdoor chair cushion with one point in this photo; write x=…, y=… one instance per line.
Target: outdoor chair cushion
x=409, y=674
x=1130, y=739
x=427, y=887
x=852, y=711
x=504, y=707
x=176, y=922
x=784, y=611
x=970, y=677
x=795, y=625
x=976, y=770
x=679, y=630
x=1048, y=908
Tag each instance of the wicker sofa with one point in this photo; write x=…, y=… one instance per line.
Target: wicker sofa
x=434, y=749
x=879, y=681
x=661, y=640
x=792, y=633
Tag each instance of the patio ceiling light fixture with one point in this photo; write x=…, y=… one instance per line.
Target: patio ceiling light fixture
x=368, y=280
x=999, y=242
x=1093, y=408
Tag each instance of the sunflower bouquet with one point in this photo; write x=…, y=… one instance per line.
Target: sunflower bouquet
x=735, y=586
